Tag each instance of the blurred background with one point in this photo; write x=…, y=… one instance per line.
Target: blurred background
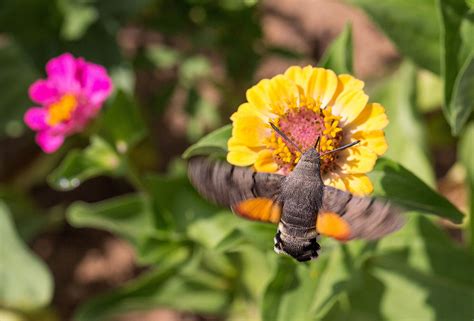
x=180, y=69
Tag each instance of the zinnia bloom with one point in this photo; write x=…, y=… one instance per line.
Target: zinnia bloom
x=307, y=103
x=69, y=98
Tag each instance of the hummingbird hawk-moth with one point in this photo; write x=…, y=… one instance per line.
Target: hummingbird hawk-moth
x=298, y=203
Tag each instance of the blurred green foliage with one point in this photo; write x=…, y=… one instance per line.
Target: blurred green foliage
x=201, y=258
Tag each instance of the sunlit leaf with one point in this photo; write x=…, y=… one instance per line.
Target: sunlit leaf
x=162, y=56
x=457, y=62
x=25, y=282
x=339, y=55
x=97, y=159
x=393, y=181
x=466, y=155
x=174, y=287
x=291, y=290
x=412, y=25
x=211, y=231
x=129, y=216
x=214, y=143
x=193, y=68
x=406, y=132
x=78, y=16
x=425, y=272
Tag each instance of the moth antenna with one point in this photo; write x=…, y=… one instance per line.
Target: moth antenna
x=341, y=148
x=316, y=145
x=283, y=135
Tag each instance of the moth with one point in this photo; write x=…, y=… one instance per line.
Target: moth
x=300, y=203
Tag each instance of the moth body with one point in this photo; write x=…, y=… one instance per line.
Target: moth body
x=301, y=196
x=299, y=203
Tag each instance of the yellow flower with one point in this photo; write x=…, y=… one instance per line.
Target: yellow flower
x=307, y=103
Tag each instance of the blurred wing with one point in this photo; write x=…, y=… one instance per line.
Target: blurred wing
x=229, y=185
x=357, y=217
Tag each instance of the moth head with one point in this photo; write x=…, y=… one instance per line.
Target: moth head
x=312, y=155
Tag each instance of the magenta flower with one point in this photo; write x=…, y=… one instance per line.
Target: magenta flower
x=69, y=98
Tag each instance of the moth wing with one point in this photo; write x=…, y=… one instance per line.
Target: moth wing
x=333, y=225
x=228, y=185
x=258, y=209
x=359, y=217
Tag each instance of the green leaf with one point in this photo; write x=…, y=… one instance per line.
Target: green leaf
x=457, y=62
x=425, y=272
x=129, y=216
x=176, y=204
x=192, y=69
x=202, y=114
x=406, y=132
x=339, y=56
x=412, y=25
x=97, y=159
x=25, y=280
x=78, y=17
x=122, y=122
x=163, y=57
x=17, y=75
x=210, y=232
x=393, y=181
x=293, y=288
x=466, y=155
x=214, y=144
x=28, y=218
x=418, y=268
x=176, y=288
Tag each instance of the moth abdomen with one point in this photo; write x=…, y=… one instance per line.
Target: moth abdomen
x=297, y=242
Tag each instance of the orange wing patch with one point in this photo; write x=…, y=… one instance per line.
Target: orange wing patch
x=259, y=209
x=331, y=224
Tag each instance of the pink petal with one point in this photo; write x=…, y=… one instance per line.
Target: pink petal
x=96, y=83
x=62, y=72
x=43, y=92
x=35, y=118
x=48, y=142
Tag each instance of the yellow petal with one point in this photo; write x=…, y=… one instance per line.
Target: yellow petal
x=357, y=159
x=250, y=130
x=349, y=105
x=273, y=96
x=334, y=179
x=372, y=117
x=284, y=90
x=350, y=83
x=322, y=85
x=265, y=162
x=241, y=156
x=300, y=76
x=358, y=184
x=373, y=140
x=296, y=74
x=346, y=83
x=247, y=109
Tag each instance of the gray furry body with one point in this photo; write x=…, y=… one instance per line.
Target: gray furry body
x=302, y=197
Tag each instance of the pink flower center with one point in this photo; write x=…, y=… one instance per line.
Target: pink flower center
x=303, y=126
x=62, y=110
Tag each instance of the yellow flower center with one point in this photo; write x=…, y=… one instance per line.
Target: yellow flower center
x=303, y=125
x=62, y=110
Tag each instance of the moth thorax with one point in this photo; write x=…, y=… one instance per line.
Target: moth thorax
x=300, y=244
